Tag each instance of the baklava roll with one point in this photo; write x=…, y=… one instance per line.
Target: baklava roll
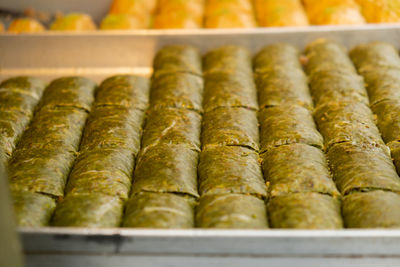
x=297, y=168
x=166, y=168
x=230, y=169
x=348, y=122
x=305, y=211
x=287, y=124
x=159, y=210
x=231, y=211
x=172, y=126
x=362, y=168
x=230, y=127
x=91, y=210
x=280, y=78
x=124, y=90
x=374, y=209
x=179, y=90
x=177, y=59
x=327, y=56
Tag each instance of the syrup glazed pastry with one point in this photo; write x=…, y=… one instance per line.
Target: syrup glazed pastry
x=380, y=11
x=25, y=25
x=278, y=13
x=229, y=14
x=179, y=14
x=333, y=12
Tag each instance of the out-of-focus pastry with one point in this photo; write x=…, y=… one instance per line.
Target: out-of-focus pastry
x=122, y=22
x=73, y=22
x=378, y=11
x=272, y=13
x=229, y=14
x=25, y=25
x=178, y=14
x=333, y=12
x=132, y=7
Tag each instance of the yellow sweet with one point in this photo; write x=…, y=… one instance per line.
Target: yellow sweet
x=276, y=13
x=333, y=12
x=73, y=22
x=123, y=22
x=378, y=11
x=133, y=7
x=25, y=25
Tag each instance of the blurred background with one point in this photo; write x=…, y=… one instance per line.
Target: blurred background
x=29, y=16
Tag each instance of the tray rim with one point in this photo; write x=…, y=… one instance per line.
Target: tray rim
x=213, y=243
x=270, y=232
x=209, y=32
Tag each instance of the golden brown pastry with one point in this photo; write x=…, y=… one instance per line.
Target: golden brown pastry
x=25, y=25
x=132, y=7
x=178, y=14
x=73, y=22
x=229, y=14
x=122, y=22
x=333, y=12
x=276, y=13
x=378, y=11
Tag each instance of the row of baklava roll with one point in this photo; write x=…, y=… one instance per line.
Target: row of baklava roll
x=231, y=184
x=43, y=158
x=100, y=180
x=302, y=192
x=223, y=187
x=379, y=64
x=165, y=186
x=358, y=157
x=98, y=168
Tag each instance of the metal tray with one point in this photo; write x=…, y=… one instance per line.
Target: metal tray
x=100, y=54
